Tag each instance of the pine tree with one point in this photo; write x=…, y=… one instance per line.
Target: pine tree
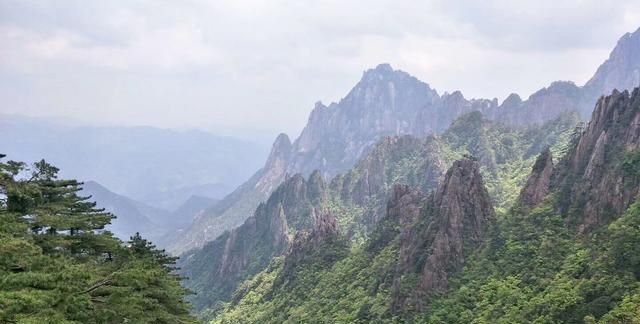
x=58, y=264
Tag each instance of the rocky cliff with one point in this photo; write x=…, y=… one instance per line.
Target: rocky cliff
x=537, y=186
x=320, y=246
x=391, y=102
x=597, y=180
x=620, y=71
x=216, y=270
x=450, y=227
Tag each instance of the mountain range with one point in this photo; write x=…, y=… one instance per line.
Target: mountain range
x=388, y=102
x=133, y=216
x=144, y=163
x=564, y=252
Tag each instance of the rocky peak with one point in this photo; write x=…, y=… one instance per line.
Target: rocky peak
x=537, y=186
x=321, y=245
x=248, y=249
x=451, y=226
x=326, y=225
x=403, y=210
x=275, y=168
x=325, y=229
x=385, y=89
x=280, y=151
x=380, y=72
x=621, y=70
x=299, y=198
x=316, y=187
x=513, y=100
x=595, y=184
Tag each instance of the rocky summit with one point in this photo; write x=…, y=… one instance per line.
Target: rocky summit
x=390, y=102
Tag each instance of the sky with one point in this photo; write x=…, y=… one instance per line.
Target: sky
x=256, y=68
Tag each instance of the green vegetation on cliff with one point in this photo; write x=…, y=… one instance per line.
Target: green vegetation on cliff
x=565, y=249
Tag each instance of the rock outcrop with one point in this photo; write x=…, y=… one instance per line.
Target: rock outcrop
x=450, y=227
x=538, y=183
x=388, y=102
x=322, y=245
x=221, y=265
x=620, y=71
x=402, y=210
x=593, y=180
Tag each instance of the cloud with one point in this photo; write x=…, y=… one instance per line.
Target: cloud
x=243, y=65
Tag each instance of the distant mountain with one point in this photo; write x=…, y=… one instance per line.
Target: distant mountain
x=358, y=198
x=160, y=167
x=391, y=102
x=621, y=70
x=566, y=252
x=174, y=198
x=131, y=216
x=190, y=208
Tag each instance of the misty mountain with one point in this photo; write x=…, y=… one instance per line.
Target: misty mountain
x=131, y=216
x=391, y=102
x=160, y=167
x=565, y=253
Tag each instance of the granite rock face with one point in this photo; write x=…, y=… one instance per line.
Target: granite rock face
x=595, y=175
x=451, y=225
x=388, y=102
x=539, y=182
x=323, y=244
x=221, y=265
x=620, y=71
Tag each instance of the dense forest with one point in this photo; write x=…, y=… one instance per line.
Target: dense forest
x=59, y=265
x=136, y=186
x=566, y=251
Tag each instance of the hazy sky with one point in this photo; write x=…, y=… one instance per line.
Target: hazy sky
x=259, y=66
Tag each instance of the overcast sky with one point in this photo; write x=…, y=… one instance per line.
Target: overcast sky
x=259, y=66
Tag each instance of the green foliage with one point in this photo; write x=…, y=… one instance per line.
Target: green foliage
x=543, y=274
x=58, y=265
x=631, y=163
x=532, y=269
x=357, y=288
x=353, y=290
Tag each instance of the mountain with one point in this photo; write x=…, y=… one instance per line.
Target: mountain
x=190, y=208
x=131, y=216
x=598, y=179
x=357, y=200
x=174, y=198
x=145, y=163
x=565, y=252
x=391, y=102
x=218, y=268
x=436, y=234
x=621, y=70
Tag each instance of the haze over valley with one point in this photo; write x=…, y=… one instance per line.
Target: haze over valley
x=232, y=162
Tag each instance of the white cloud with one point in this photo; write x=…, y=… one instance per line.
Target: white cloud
x=262, y=64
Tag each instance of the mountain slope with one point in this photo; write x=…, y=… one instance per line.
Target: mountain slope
x=132, y=216
x=295, y=291
x=358, y=199
x=219, y=267
x=391, y=102
x=621, y=70
x=444, y=257
x=143, y=163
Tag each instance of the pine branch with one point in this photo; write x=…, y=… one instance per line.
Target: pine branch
x=104, y=282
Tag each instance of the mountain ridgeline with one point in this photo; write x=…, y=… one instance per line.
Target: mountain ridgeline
x=565, y=251
x=358, y=198
x=388, y=102
x=395, y=205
